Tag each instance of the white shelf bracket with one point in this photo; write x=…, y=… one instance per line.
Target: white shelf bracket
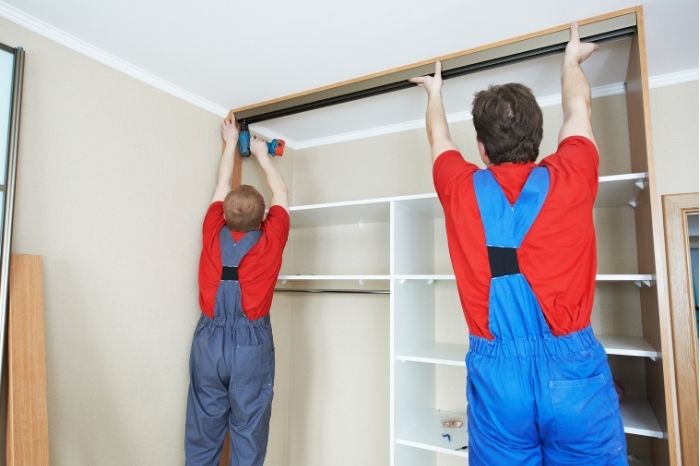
x=402, y=281
x=430, y=281
x=641, y=283
x=640, y=184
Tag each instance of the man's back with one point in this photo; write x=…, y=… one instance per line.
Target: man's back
x=558, y=255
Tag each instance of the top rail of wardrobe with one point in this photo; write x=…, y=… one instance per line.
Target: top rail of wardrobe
x=603, y=28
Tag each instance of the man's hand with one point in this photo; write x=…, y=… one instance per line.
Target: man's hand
x=435, y=120
x=575, y=89
x=576, y=51
x=229, y=129
x=258, y=146
x=432, y=84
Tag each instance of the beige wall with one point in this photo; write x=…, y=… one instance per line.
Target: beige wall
x=114, y=177
x=113, y=180
x=674, y=120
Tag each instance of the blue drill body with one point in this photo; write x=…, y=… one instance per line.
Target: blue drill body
x=274, y=147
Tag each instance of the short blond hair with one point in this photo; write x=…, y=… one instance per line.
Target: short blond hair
x=244, y=208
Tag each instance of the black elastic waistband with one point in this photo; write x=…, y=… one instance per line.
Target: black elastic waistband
x=503, y=261
x=229, y=273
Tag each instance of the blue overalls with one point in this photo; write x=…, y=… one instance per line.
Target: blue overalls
x=533, y=398
x=232, y=372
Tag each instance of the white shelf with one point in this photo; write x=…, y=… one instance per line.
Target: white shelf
x=332, y=277
x=615, y=190
x=425, y=433
x=340, y=213
x=624, y=277
x=429, y=277
x=620, y=190
x=647, y=279
x=638, y=279
x=374, y=210
x=450, y=354
x=447, y=354
x=639, y=419
x=628, y=346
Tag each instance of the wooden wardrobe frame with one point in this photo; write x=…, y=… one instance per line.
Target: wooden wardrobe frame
x=677, y=207
x=651, y=251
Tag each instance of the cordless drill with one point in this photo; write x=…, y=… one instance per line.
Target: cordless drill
x=274, y=147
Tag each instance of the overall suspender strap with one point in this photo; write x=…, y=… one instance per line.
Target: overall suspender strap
x=506, y=225
x=232, y=252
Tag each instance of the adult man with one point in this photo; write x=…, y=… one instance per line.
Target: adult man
x=232, y=363
x=522, y=244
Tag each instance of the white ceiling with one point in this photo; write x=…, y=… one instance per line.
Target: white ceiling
x=232, y=53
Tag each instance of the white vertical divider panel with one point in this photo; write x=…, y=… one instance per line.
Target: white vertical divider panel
x=414, y=240
x=415, y=403
x=392, y=333
x=413, y=324
x=415, y=320
x=409, y=456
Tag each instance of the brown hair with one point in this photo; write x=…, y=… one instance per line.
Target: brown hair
x=508, y=123
x=244, y=208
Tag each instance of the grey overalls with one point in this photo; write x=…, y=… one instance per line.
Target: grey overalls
x=232, y=372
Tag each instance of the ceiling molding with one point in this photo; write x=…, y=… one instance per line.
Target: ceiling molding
x=61, y=37
x=669, y=79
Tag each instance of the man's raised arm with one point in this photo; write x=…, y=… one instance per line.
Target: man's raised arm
x=435, y=120
x=575, y=89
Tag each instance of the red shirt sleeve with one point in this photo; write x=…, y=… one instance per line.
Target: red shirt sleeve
x=449, y=167
x=213, y=219
x=576, y=161
x=210, y=257
x=261, y=266
x=276, y=224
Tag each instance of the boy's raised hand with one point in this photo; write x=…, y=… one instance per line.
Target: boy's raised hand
x=258, y=146
x=229, y=129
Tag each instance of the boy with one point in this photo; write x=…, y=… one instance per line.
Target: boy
x=522, y=244
x=232, y=362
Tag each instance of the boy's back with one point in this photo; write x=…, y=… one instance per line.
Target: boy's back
x=259, y=268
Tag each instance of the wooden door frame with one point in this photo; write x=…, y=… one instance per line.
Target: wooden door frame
x=676, y=208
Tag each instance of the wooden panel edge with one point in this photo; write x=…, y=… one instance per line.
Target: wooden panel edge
x=639, y=85
x=27, y=428
x=676, y=208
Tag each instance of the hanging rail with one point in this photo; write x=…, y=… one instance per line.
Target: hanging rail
x=598, y=29
x=331, y=290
